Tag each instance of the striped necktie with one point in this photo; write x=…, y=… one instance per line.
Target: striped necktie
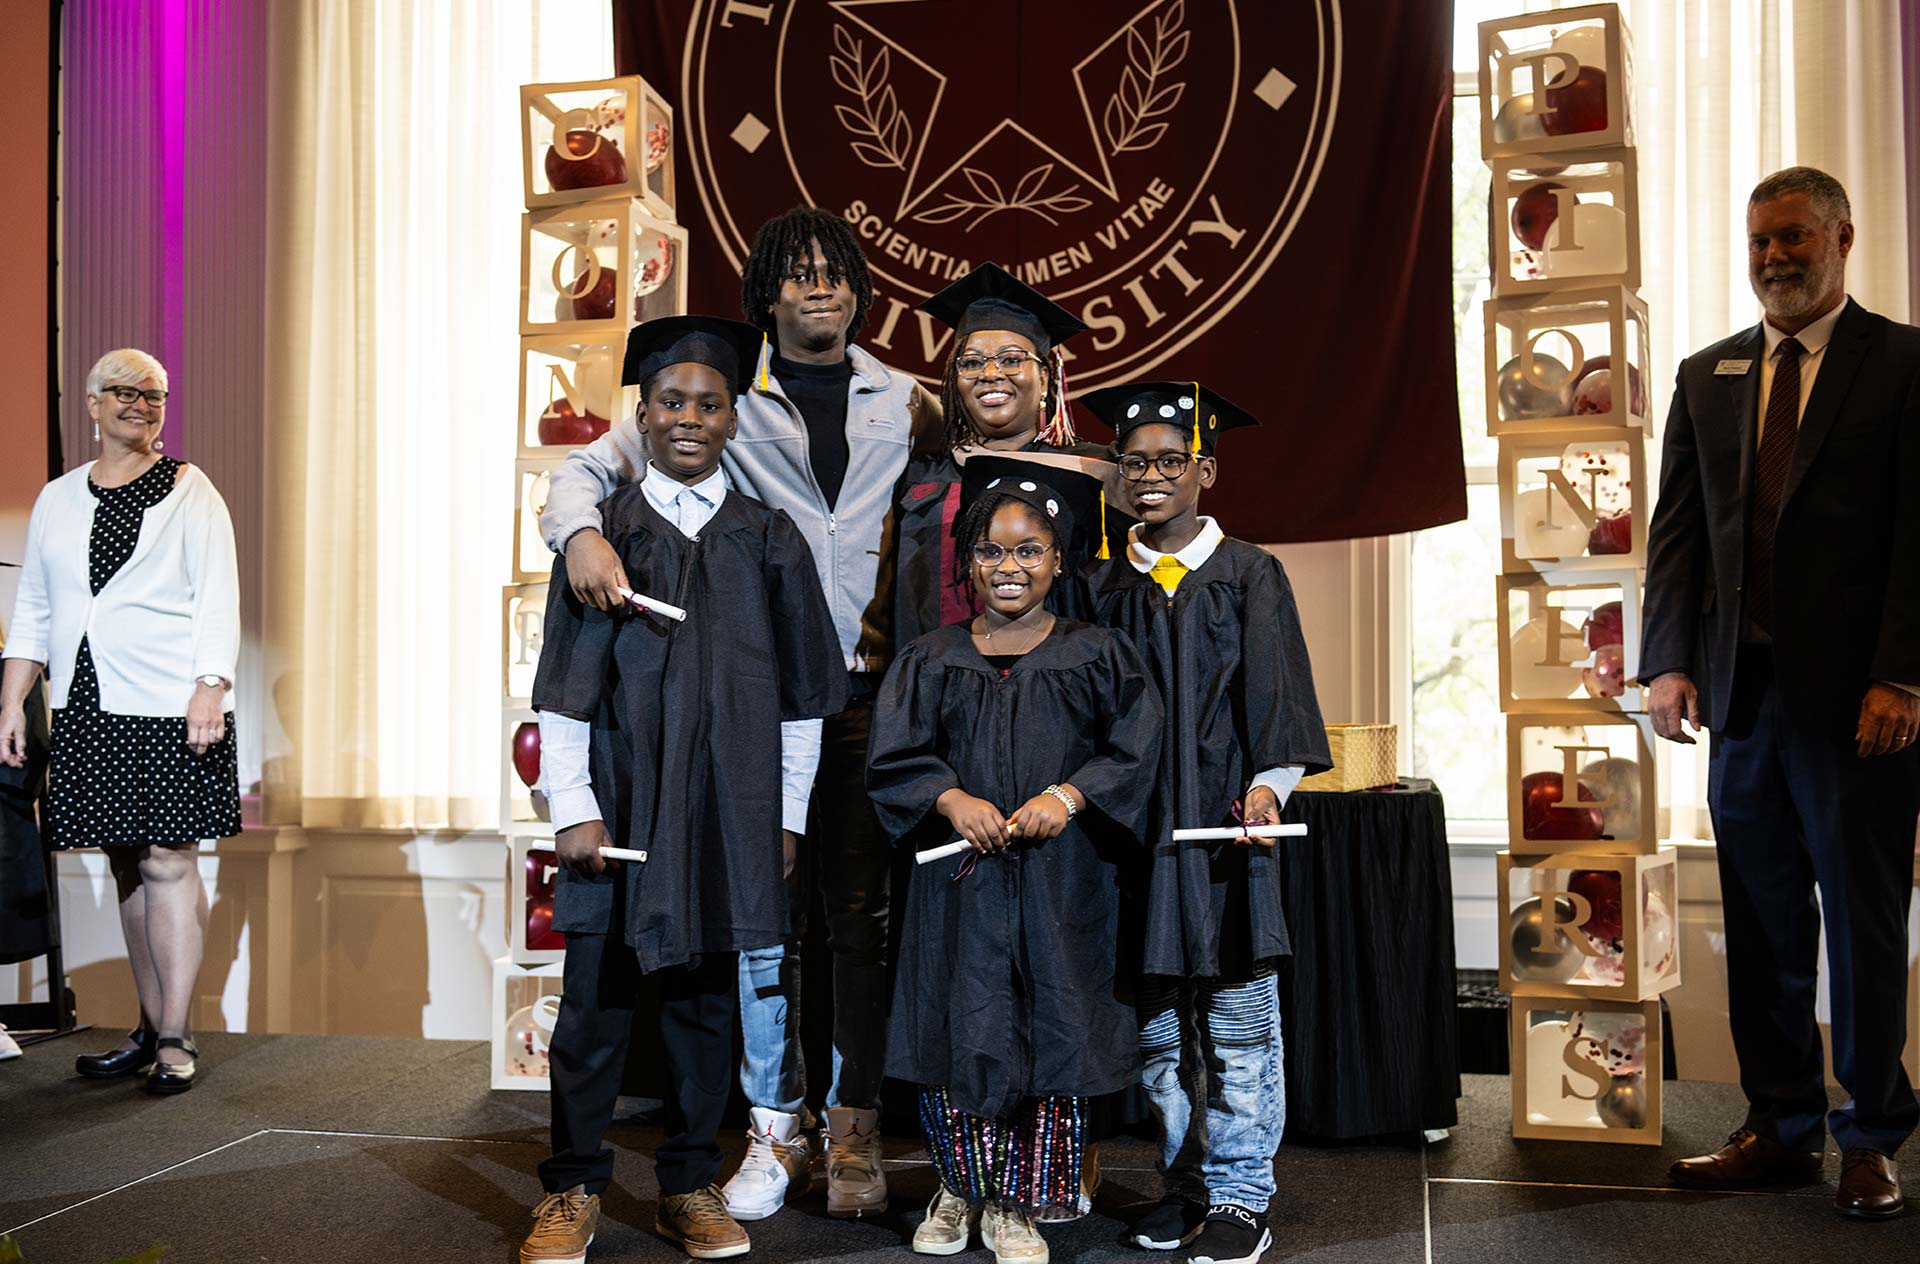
x=1770, y=480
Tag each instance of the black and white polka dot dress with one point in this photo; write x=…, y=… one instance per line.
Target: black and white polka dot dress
x=130, y=780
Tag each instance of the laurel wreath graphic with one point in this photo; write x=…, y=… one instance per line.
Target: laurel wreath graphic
x=1029, y=195
x=1142, y=96
x=878, y=119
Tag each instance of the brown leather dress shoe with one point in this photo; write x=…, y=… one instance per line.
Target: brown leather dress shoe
x=1746, y=1161
x=1869, y=1186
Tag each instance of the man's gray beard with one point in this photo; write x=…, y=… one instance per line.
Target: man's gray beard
x=1802, y=299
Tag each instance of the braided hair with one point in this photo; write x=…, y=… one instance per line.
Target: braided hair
x=960, y=431
x=972, y=526
x=786, y=242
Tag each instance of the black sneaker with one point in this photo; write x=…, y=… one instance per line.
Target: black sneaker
x=1231, y=1235
x=1169, y=1226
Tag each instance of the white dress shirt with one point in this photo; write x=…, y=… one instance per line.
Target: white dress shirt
x=564, y=741
x=1280, y=780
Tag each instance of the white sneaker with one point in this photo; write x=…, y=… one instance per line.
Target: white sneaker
x=856, y=1183
x=1009, y=1232
x=949, y=1224
x=9, y=1048
x=778, y=1166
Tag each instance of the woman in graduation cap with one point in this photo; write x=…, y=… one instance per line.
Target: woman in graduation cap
x=1004, y=392
x=1033, y=737
x=1215, y=620
x=669, y=737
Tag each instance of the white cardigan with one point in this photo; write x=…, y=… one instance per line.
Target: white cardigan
x=170, y=615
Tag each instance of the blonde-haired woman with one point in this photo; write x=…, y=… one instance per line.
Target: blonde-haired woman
x=130, y=600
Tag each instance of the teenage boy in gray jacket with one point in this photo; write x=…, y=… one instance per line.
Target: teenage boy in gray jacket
x=825, y=432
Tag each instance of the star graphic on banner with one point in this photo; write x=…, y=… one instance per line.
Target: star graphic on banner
x=998, y=64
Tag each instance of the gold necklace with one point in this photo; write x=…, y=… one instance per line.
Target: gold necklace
x=987, y=634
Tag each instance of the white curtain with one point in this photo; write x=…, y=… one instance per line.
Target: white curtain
x=395, y=201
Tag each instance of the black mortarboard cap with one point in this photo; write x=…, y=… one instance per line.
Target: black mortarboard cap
x=1186, y=406
x=990, y=297
x=1073, y=501
x=731, y=346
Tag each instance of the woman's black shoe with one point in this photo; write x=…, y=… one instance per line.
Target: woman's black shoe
x=174, y=1077
x=120, y=1062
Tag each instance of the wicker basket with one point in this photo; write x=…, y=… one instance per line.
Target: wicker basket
x=1363, y=757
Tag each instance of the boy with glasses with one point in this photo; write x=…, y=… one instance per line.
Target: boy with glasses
x=1215, y=620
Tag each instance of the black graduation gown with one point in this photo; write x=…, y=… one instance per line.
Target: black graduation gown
x=925, y=508
x=685, y=755
x=1228, y=657
x=1007, y=985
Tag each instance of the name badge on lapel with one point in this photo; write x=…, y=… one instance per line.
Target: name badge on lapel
x=1732, y=368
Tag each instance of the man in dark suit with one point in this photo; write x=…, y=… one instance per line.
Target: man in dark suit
x=1783, y=606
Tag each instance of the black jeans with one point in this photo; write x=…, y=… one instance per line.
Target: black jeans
x=697, y=1002
x=851, y=861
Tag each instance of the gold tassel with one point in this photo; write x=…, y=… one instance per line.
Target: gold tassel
x=1196, y=419
x=1102, y=554
x=765, y=359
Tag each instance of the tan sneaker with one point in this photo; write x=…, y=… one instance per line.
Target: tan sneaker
x=700, y=1224
x=856, y=1181
x=948, y=1226
x=563, y=1227
x=1009, y=1232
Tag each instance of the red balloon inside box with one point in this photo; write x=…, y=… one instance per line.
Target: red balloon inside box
x=526, y=752
x=1607, y=625
x=560, y=424
x=541, y=936
x=1541, y=819
x=595, y=161
x=1534, y=212
x=595, y=303
x=1580, y=106
x=1611, y=535
x=1601, y=889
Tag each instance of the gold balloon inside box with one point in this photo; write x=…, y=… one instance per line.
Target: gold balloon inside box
x=1555, y=80
x=1571, y=358
x=1586, y=1070
x=1597, y=927
x=1364, y=756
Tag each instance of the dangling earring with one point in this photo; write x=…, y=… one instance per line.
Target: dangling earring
x=96, y=432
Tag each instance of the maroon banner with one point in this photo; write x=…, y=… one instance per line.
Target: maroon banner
x=1255, y=196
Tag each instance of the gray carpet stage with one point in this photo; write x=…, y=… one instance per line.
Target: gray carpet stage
x=302, y=1148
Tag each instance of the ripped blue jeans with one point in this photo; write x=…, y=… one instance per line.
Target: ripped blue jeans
x=1212, y=1068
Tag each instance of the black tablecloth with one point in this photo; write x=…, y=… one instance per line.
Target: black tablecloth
x=1367, y=1002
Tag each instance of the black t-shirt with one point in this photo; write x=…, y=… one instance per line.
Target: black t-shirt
x=819, y=391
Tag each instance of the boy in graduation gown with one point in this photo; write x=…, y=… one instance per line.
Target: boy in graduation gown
x=1004, y=392
x=1034, y=738
x=1214, y=618
x=666, y=737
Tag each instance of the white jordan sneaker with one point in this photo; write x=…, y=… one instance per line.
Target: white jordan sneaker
x=778, y=1166
x=856, y=1183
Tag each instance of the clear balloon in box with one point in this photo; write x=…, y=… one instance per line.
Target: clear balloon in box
x=532, y=559
x=523, y=797
x=588, y=140
x=1600, y=927
x=526, y=1006
x=596, y=269
x=570, y=391
x=1556, y=80
x=1586, y=1070
x=1577, y=499
x=1581, y=782
x=523, y=620
x=531, y=877
x=1569, y=640
x=1573, y=221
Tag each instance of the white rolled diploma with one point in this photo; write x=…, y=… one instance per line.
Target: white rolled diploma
x=611, y=853
x=1221, y=833
x=660, y=608
x=941, y=852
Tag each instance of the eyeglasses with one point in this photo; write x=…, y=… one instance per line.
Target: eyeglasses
x=1027, y=556
x=1170, y=464
x=1008, y=362
x=129, y=394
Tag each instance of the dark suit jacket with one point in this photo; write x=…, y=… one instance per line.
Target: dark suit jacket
x=1846, y=552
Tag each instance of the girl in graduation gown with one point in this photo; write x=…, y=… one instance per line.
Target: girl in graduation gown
x=1034, y=738
x=1004, y=393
